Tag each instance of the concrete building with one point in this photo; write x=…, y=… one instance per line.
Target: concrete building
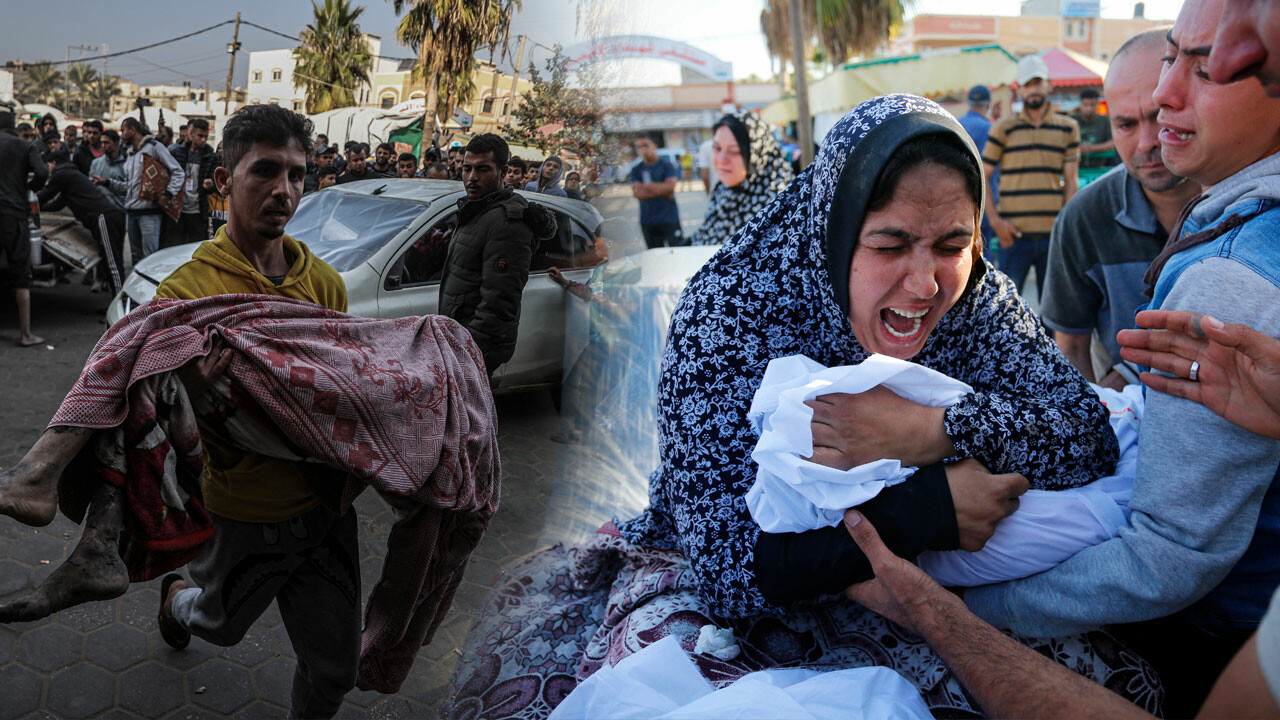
x=1041, y=26
x=490, y=106
x=682, y=115
x=169, y=97
x=271, y=77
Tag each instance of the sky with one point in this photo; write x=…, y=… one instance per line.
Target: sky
x=728, y=29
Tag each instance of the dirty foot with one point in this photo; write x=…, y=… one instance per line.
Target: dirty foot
x=29, y=491
x=93, y=572
x=29, y=340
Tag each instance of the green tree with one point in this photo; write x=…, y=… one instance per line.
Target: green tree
x=100, y=94
x=554, y=116
x=82, y=77
x=333, y=59
x=42, y=80
x=446, y=35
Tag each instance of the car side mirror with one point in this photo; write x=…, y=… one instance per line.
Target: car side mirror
x=393, y=281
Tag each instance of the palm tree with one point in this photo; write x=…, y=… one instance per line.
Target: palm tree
x=42, y=80
x=333, y=58
x=101, y=92
x=839, y=29
x=82, y=78
x=446, y=35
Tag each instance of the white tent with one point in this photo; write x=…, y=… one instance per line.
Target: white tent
x=361, y=124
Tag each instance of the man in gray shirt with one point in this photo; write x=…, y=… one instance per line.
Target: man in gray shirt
x=1107, y=235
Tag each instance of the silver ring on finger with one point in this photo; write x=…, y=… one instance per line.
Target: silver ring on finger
x=1194, y=374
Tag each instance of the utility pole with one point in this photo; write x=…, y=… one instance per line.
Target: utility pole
x=804, y=127
x=515, y=77
x=232, y=47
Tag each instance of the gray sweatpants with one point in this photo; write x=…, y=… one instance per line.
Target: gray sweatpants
x=310, y=566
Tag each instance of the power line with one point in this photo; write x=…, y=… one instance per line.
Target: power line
x=138, y=49
x=298, y=40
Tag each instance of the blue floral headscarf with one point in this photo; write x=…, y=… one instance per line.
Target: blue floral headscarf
x=779, y=287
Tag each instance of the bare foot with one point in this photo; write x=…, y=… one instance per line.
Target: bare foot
x=29, y=340
x=93, y=572
x=29, y=491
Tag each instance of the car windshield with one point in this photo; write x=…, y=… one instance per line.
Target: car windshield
x=345, y=230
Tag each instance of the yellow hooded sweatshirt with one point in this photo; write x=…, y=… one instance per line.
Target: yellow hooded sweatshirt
x=240, y=485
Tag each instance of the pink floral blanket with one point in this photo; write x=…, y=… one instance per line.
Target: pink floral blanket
x=401, y=405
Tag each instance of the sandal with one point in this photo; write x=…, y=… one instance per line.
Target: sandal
x=176, y=636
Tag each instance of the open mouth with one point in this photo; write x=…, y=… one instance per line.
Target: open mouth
x=1175, y=136
x=903, y=325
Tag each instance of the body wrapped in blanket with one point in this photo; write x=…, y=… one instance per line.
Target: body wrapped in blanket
x=401, y=405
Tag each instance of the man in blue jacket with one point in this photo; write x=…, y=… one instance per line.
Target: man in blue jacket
x=1196, y=566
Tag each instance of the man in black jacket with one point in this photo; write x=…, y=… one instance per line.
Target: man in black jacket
x=197, y=161
x=90, y=148
x=489, y=256
x=21, y=171
x=68, y=187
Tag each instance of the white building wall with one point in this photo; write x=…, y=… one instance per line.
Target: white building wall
x=271, y=79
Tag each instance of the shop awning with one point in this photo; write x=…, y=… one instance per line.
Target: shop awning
x=1071, y=69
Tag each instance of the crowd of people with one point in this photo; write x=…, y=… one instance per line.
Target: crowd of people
x=1160, y=277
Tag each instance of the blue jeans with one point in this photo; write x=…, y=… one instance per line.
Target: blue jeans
x=144, y=235
x=1027, y=251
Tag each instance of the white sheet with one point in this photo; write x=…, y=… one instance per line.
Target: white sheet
x=661, y=681
x=792, y=494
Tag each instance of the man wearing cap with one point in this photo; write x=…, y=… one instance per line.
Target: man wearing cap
x=1037, y=152
x=975, y=123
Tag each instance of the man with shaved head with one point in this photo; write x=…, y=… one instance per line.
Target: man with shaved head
x=1107, y=236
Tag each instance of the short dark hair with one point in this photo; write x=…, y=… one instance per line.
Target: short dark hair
x=1089, y=94
x=111, y=135
x=255, y=124
x=357, y=149
x=437, y=166
x=346, y=146
x=364, y=148
x=517, y=161
x=198, y=124
x=407, y=157
x=648, y=136
x=457, y=149
x=22, y=127
x=96, y=124
x=388, y=147
x=490, y=143
x=134, y=124
x=322, y=135
x=329, y=170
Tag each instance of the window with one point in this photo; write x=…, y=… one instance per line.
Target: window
x=570, y=247
x=423, y=262
x=276, y=74
x=257, y=76
x=388, y=101
x=487, y=108
x=345, y=230
x=1077, y=29
x=297, y=106
x=506, y=106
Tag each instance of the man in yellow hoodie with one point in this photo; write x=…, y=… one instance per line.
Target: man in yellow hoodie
x=274, y=540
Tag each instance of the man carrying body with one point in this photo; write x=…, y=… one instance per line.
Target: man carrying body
x=489, y=255
x=91, y=148
x=1036, y=152
x=143, y=216
x=21, y=171
x=68, y=187
x=384, y=159
x=357, y=167
x=653, y=183
x=1094, y=280
x=274, y=540
x=1095, y=130
x=196, y=158
x=1200, y=557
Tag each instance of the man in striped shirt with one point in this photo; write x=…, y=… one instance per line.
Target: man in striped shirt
x=1037, y=152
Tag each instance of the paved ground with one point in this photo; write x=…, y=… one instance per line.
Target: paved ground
x=108, y=660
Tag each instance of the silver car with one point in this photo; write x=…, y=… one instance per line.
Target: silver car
x=384, y=237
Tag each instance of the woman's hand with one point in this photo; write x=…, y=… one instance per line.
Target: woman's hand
x=850, y=430
x=1239, y=375
x=199, y=374
x=982, y=500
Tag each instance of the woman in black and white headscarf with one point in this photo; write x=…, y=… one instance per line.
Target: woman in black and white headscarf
x=751, y=170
